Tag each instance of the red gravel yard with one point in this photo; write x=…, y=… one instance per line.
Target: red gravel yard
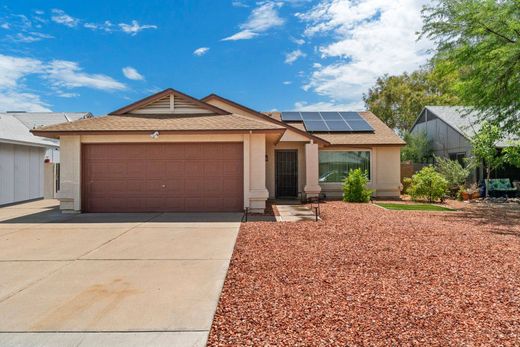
x=368, y=276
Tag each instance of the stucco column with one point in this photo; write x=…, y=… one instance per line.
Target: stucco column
x=312, y=185
x=258, y=192
x=70, y=174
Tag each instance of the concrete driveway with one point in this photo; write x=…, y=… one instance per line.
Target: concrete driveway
x=110, y=279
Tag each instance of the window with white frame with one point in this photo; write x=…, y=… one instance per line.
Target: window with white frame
x=335, y=165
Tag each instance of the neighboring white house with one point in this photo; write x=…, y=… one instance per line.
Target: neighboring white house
x=23, y=174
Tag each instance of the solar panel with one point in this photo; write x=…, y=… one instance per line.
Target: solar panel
x=315, y=125
x=291, y=117
x=350, y=116
x=338, y=125
x=311, y=116
x=359, y=125
x=331, y=116
x=329, y=121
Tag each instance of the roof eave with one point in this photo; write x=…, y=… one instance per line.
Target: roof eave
x=57, y=134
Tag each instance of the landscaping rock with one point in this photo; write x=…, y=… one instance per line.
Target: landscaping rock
x=368, y=276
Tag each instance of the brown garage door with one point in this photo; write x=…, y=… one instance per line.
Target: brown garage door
x=173, y=177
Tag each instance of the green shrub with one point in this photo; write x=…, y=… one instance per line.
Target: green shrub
x=427, y=184
x=453, y=172
x=354, y=187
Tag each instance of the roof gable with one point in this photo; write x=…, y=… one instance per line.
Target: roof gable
x=169, y=101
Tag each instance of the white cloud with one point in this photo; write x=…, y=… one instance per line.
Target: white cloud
x=68, y=74
x=105, y=26
x=13, y=101
x=287, y=82
x=291, y=57
x=66, y=95
x=261, y=19
x=5, y=26
x=60, y=17
x=134, y=28
x=12, y=72
x=328, y=106
x=201, y=51
x=365, y=40
x=239, y=4
x=299, y=41
x=132, y=74
x=29, y=37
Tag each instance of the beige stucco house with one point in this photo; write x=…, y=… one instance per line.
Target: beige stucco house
x=173, y=152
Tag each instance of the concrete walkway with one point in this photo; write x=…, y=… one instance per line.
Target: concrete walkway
x=295, y=213
x=150, y=279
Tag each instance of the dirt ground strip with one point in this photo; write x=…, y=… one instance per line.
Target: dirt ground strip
x=367, y=276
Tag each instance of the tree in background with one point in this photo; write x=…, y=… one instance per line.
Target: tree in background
x=398, y=100
x=484, y=148
x=479, y=40
x=418, y=148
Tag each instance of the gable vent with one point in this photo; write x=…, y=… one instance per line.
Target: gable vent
x=171, y=104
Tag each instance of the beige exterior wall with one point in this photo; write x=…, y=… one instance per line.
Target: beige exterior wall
x=49, y=180
x=385, y=164
x=70, y=173
x=255, y=192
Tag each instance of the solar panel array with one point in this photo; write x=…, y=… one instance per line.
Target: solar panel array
x=329, y=121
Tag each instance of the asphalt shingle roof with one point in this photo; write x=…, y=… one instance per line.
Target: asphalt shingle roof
x=161, y=122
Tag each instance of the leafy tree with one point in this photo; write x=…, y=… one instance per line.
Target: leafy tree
x=427, y=184
x=354, y=187
x=512, y=154
x=479, y=40
x=418, y=148
x=484, y=148
x=454, y=173
x=398, y=100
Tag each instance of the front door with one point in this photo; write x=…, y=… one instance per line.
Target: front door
x=286, y=173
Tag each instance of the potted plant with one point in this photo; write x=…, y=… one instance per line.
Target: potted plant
x=469, y=193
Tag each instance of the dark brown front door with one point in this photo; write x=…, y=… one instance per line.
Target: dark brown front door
x=176, y=177
x=286, y=173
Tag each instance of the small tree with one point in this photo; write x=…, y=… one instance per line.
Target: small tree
x=484, y=150
x=427, y=184
x=452, y=171
x=354, y=187
x=418, y=147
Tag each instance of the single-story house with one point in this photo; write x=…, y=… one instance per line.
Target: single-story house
x=450, y=128
x=23, y=175
x=173, y=152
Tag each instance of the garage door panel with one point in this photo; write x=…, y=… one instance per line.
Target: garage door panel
x=194, y=204
x=231, y=151
x=175, y=168
x=156, y=169
x=233, y=168
x=195, y=151
x=163, y=177
x=194, y=168
x=213, y=168
x=214, y=187
x=175, y=187
x=193, y=187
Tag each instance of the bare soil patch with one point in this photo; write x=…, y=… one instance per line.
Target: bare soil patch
x=368, y=276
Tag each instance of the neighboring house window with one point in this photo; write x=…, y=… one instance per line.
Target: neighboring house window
x=335, y=165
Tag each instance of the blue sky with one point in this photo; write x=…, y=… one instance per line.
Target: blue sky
x=296, y=54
